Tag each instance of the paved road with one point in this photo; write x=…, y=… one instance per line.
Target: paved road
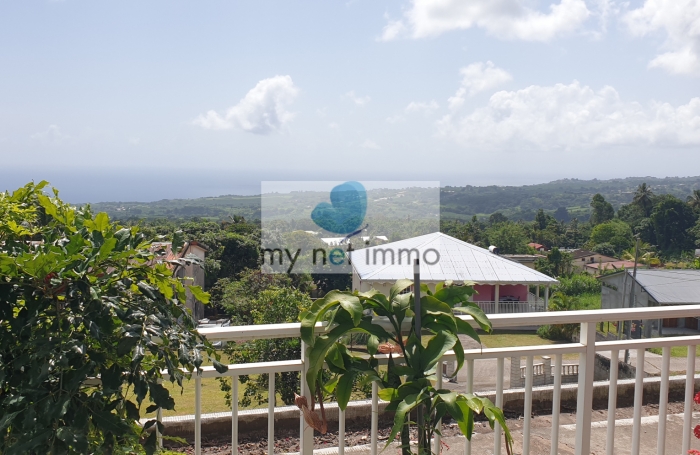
x=652, y=362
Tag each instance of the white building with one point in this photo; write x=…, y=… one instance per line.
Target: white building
x=502, y=284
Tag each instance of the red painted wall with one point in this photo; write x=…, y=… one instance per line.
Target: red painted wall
x=486, y=292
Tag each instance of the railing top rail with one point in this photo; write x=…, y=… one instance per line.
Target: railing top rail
x=594, y=316
x=292, y=330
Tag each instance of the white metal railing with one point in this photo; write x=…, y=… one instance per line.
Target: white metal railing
x=491, y=307
x=586, y=349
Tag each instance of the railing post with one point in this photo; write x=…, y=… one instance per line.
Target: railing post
x=159, y=418
x=197, y=413
x=306, y=432
x=234, y=414
x=499, y=402
x=689, y=392
x=496, y=296
x=584, y=408
x=663, y=401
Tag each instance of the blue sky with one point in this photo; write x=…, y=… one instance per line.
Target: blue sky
x=145, y=100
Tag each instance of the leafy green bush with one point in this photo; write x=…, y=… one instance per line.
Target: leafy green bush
x=273, y=305
x=577, y=285
x=561, y=302
x=88, y=320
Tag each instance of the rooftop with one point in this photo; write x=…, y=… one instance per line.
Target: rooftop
x=670, y=287
x=458, y=261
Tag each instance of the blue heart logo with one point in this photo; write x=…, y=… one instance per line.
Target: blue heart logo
x=347, y=209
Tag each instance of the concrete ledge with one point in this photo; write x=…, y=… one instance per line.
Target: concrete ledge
x=253, y=422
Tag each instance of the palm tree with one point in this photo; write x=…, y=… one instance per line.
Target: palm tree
x=643, y=198
x=694, y=199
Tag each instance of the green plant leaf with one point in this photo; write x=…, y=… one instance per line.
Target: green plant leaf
x=404, y=407
x=464, y=328
x=453, y=295
x=101, y=222
x=477, y=314
x=199, y=294
x=399, y=287
x=344, y=389
x=388, y=394
x=372, y=345
x=436, y=348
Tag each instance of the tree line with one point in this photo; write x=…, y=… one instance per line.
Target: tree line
x=666, y=226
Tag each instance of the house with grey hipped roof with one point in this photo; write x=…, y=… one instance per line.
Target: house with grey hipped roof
x=651, y=288
x=502, y=285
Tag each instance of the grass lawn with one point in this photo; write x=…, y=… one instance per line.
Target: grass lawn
x=213, y=399
x=505, y=340
x=590, y=301
x=676, y=351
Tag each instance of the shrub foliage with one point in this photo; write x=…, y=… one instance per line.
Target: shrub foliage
x=88, y=322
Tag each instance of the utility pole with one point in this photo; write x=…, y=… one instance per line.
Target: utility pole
x=633, y=302
x=418, y=329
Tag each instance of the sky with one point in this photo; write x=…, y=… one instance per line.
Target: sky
x=138, y=101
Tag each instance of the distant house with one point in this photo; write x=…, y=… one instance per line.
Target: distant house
x=502, y=284
x=598, y=268
x=655, y=287
x=538, y=246
x=186, y=265
x=582, y=258
x=527, y=260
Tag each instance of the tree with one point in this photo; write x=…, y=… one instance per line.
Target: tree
x=631, y=214
x=605, y=248
x=573, y=235
x=694, y=232
x=82, y=298
x=672, y=218
x=509, y=237
x=540, y=220
x=643, y=198
x=694, y=200
x=602, y=210
x=273, y=305
x=497, y=218
x=562, y=214
x=557, y=263
x=615, y=232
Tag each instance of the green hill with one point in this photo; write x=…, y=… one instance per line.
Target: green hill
x=515, y=202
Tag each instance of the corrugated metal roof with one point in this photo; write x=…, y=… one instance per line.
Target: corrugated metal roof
x=671, y=286
x=459, y=261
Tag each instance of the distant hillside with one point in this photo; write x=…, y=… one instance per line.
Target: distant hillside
x=522, y=202
x=516, y=202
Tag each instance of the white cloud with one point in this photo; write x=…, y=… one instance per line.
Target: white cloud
x=359, y=100
x=134, y=141
x=478, y=77
x=508, y=19
x=571, y=117
x=426, y=108
x=394, y=119
x=263, y=110
x=680, y=21
x=53, y=135
x=369, y=144
x=333, y=126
